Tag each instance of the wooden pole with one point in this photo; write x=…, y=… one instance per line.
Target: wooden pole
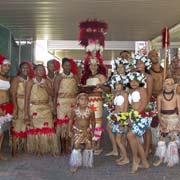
x=165, y=53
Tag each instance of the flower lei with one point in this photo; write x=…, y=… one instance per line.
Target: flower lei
x=139, y=77
x=119, y=61
x=144, y=59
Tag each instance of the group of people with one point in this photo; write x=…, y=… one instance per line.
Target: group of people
x=61, y=112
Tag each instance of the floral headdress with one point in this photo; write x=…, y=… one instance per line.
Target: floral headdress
x=119, y=61
x=144, y=59
x=139, y=77
x=118, y=79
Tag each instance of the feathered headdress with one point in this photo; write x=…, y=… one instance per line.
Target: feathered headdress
x=3, y=60
x=92, y=32
x=57, y=65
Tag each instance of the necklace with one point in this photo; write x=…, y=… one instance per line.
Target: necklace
x=164, y=95
x=160, y=71
x=82, y=115
x=67, y=76
x=38, y=82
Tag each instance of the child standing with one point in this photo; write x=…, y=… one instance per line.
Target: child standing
x=138, y=101
x=82, y=118
x=118, y=128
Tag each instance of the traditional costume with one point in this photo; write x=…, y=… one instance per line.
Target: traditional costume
x=143, y=120
x=92, y=37
x=82, y=136
x=65, y=102
x=41, y=137
x=18, y=131
x=6, y=107
x=169, y=152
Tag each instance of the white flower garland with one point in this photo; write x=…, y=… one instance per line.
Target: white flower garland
x=136, y=76
x=121, y=79
x=116, y=62
x=144, y=59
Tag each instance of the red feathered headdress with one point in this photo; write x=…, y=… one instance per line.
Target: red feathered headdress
x=92, y=30
x=74, y=68
x=57, y=65
x=31, y=72
x=1, y=59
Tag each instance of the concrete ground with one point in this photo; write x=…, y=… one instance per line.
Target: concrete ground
x=30, y=167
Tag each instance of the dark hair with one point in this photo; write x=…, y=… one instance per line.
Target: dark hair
x=124, y=51
x=37, y=65
x=22, y=64
x=140, y=85
x=65, y=59
x=49, y=62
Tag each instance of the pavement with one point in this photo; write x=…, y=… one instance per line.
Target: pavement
x=31, y=167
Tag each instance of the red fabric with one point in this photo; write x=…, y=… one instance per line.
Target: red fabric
x=61, y=121
x=45, y=130
x=20, y=134
x=7, y=108
x=144, y=114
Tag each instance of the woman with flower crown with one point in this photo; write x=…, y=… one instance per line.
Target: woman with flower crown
x=143, y=64
x=41, y=136
x=17, y=90
x=138, y=102
x=121, y=68
x=117, y=118
x=65, y=92
x=6, y=108
x=95, y=75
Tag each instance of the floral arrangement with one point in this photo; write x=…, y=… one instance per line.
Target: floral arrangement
x=124, y=118
x=107, y=101
x=118, y=79
x=144, y=59
x=139, y=77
